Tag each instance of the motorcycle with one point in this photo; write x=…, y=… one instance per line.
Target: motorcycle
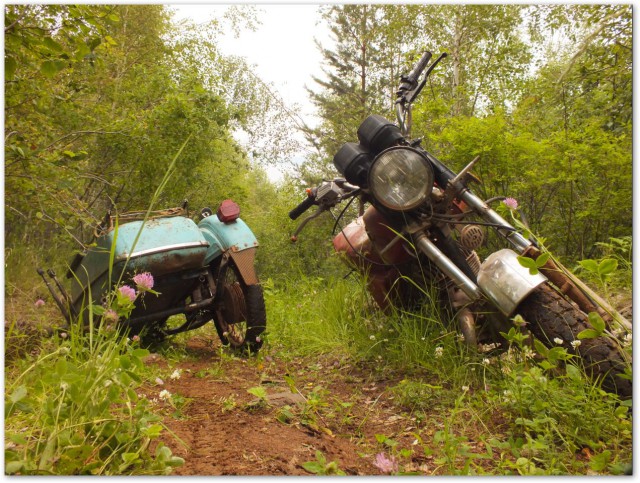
x=204, y=271
x=423, y=227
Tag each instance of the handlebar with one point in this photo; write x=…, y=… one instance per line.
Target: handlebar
x=328, y=194
x=411, y=81
x=304, y=206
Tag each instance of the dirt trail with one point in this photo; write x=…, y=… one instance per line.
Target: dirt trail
x=334, y=408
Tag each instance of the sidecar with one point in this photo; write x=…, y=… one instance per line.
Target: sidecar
x=189, y=262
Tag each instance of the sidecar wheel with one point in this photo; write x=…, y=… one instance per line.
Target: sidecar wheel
x=241, y=318
x=550, y=316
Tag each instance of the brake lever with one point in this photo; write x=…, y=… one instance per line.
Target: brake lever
x=321, y=209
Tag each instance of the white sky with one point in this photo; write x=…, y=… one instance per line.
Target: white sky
x=282, y=49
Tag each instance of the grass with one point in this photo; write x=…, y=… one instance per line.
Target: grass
x=529, y=416
x=497, y=413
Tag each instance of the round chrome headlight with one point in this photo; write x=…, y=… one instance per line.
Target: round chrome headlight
x=401, y=178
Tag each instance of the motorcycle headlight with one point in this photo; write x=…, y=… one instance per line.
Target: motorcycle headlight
x=401, y=178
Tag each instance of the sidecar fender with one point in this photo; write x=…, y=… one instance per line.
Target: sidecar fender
x=234, y=236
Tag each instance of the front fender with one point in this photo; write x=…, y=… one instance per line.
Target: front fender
x=235, y=236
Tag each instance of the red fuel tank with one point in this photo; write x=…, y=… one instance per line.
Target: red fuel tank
x=360, y=251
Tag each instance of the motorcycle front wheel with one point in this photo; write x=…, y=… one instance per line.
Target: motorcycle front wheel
x=551, y=318
x=240, y=318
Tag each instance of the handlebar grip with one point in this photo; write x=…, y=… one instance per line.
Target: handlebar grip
x=420, y=66
x=302, y=207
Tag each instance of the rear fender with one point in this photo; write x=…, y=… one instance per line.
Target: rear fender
x=234, y=236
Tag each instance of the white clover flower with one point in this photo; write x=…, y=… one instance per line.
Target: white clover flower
x=372, y=337
x=159, y=381
x=576, y=343
x=439, y=351
x=64, y=386
x=558, y=340
x=175, y=374
x=461, y=337
x=164, y=395
x=488, y=347
x=486, y=362
x=527, y=352
x=465, y=388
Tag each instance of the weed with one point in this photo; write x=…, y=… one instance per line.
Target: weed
x=321, y=467
x=229, y=403
x=261, y=394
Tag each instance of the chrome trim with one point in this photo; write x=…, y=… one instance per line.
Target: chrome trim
x=165, y=248
x=505, y=282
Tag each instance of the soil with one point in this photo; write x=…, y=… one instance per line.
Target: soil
x=331, y=407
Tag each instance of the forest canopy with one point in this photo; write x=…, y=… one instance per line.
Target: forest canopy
x=99, y=99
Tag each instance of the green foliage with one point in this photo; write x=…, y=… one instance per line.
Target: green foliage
x=82, y=412
x=558, y=413
x=321, y=467
x=556, y=135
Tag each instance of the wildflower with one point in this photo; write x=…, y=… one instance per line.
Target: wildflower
x=64, y=335
x=627, y=340
x=372, y=337
x=144, y=281
x=64, y=386
x=558, y=340
x=465, y=388
x=576, y=343
x=461, y=337
x=175, y=374
x=385, y=464
x=486, y=362
x=488, y=347
x=258, y=339
x=111, y=316
x=128, y=292
x=527, y=353
x=511, y=203
x=439, y=351
x=518, y=321
x=159, y=381
x=164, y=395
x=39, y=302
x=136, y=338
